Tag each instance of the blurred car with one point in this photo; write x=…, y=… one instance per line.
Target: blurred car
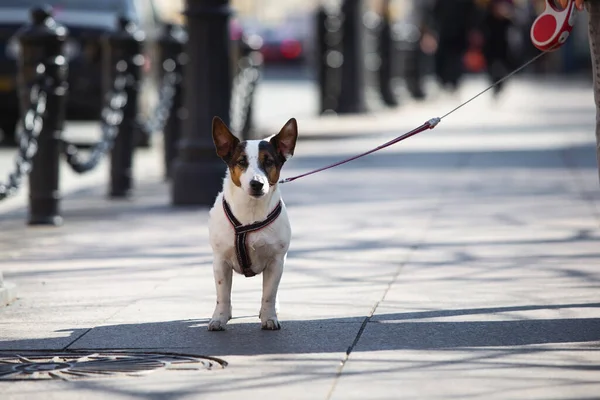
x=87, y=21
x=281, y=45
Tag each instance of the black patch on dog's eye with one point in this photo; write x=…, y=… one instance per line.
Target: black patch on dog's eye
x=270, y=154
x=242, y=162
x=270, y=162
x=238, y=154
x=238, y=163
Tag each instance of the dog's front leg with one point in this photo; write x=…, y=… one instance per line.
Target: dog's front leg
x=268, y=310
x=223, y=273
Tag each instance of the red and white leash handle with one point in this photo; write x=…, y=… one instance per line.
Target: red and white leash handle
x=553, y=27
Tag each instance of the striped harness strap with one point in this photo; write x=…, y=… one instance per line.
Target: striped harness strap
x=241, y=231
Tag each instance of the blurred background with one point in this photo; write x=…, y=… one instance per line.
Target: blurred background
x=407, y=50
x=288, y=30
x=282, y=22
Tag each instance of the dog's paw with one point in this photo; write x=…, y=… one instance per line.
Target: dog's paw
x=271, y=324
x=219, y=319
x=216, y=325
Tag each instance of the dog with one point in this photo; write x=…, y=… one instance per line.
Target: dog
x=249, y=229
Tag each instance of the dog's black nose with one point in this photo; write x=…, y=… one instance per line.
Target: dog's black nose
x=256, y=186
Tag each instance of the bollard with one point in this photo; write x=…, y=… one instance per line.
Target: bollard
x=352, y=92
x=320, y=49
x=42, y=42
x=329, y=58
x=197, y=170
x=386, y=68
x=250, y=49
x=122, y=51
x=321, y=59
x=173, y=58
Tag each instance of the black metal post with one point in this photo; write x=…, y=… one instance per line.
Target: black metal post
x=386, y=68
x=321, y=57
x=173, y=58
x=352, y=93
x=410, y=57
x=251, y=51
x=197, y=171
x=42, y=43
x=329, y=58
x=123, y=55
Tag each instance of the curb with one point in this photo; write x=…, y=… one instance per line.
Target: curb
x=8, y=292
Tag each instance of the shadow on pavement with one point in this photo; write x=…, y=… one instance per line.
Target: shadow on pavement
x=584, y=156
x=152, y=198
x=397, y=331
x=477, y=133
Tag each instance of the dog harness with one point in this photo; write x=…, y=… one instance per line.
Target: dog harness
x=241, y=232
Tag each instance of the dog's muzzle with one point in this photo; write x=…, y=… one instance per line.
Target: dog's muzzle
x=256, y=188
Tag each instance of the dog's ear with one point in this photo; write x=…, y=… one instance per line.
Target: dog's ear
x=225, y=141
x=285, y=141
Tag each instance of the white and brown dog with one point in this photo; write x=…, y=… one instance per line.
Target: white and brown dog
x=249, y=229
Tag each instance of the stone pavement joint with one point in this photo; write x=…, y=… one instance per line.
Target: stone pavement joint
x=418, y=243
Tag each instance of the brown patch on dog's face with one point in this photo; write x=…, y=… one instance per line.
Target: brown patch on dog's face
x=230, y=150
x=270, y=161
x=274, y=153
x=238, y=163
x=285, y=141
x=255, y=165
x=225, y=142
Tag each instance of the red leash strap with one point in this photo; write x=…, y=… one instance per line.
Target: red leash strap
x=432, y=123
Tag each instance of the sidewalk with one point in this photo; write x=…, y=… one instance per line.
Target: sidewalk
x=462, y=263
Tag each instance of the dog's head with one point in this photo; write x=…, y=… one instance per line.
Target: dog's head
x=255, y=165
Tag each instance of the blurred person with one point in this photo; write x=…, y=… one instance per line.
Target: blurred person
x=418, y=47
x=593, y=8
x=495, y=26
x=446, y=33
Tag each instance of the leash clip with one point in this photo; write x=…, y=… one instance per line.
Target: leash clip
x=552, y=28
x=432, y=123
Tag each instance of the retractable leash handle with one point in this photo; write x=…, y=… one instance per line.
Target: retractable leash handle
x=553, y=27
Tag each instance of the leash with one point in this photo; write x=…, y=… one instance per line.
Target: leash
x=545, y=34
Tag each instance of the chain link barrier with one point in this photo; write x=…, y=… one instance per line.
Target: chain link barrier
x=111, y=118
x=166, y=96
x=244, y=87
x=27, y=136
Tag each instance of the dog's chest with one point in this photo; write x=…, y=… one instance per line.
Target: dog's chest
x=263, y=246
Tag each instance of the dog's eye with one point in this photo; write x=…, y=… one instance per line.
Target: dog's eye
x=268, y=162
x=242, y=162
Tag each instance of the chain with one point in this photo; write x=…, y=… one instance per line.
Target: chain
x=166, y=96
x=244, y=86
x=28, y=135
x=111, y=118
